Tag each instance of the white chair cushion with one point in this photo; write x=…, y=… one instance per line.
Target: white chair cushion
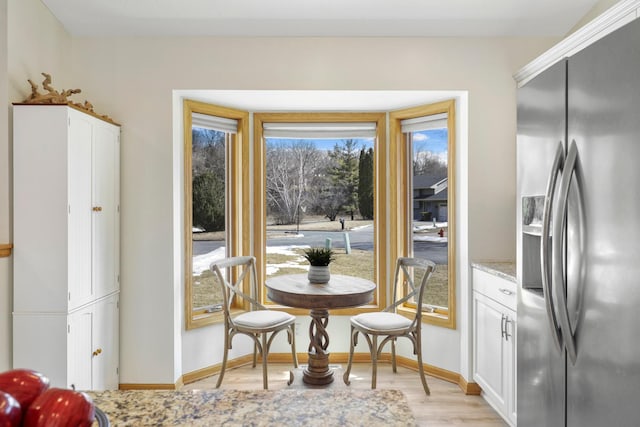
x=261, y=318
x=382, y=321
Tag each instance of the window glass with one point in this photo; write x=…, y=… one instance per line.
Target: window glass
x=425, y=150
x=214, y=152
x=208, y=171
x=429, y=214
x=320, y=193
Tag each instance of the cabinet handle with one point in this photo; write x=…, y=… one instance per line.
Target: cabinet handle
x=503, y=326
x=505, y=291
x=97, y=352
x=506, y=328
x=97, y=208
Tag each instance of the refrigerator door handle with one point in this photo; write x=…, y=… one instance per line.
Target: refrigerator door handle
x=557, y=167
x=558, y=255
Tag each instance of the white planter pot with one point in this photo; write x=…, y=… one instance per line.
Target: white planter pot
x=319, y=274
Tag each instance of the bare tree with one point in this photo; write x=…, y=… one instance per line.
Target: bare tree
x=291, y=167
x=208, y=151
x=425, y=162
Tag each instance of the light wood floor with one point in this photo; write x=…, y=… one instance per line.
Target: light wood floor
x=447, y=405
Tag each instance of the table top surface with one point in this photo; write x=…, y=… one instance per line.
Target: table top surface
x=295, y=290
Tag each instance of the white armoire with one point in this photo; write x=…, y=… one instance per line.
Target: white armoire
x=66, y=258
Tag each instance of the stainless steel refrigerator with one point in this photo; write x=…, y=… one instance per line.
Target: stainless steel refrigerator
x=578, y=163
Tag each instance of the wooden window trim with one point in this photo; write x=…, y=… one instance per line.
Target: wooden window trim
x=400, y=241
x=380, y=200
x=237, y=194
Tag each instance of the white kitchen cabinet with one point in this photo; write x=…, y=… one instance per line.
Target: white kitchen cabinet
x=105, y=349
x=494, y=341
x=92, y=331
x=66, y=208
x=78, y=350
x=66, y=240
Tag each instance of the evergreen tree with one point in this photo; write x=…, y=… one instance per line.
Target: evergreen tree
x=208, y=202
x=208, y=181
x=365, y=183
x=343, y=174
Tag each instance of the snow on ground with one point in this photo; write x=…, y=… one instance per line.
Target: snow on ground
x=361, y=227
x=419, y=238
x=286, y=250
x=202, y=262
x=423, y=226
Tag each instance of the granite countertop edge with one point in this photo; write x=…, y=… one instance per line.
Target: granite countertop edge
x=504, y=269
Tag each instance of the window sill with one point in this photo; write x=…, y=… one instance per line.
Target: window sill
x=203, y=319
x=436, y=319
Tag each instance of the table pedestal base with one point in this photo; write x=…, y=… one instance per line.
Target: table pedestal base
x=294, y=290
x=318, y=372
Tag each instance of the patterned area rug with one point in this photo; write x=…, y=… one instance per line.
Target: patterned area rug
x=255, y=408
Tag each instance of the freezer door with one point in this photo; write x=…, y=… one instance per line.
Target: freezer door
x=541, y=365
x=603, y=266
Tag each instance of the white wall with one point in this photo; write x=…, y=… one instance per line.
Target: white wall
x=132, y=80
x=5, y=180
x=24, y=54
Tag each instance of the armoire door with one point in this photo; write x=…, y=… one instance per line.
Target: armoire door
x=105, y=207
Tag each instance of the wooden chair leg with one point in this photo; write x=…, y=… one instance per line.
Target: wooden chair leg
x=421, y=367
x=255, y=353
x=224, y=359
x=393, y=355
x=293, y=345
x=264, y=361
x=352, y=341
x=374, y=361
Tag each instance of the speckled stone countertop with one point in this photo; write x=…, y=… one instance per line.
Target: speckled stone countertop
x=255, y=408
x=506, y=270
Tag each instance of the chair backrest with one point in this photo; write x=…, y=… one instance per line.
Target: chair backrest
x=408, y=272
x=231, y=274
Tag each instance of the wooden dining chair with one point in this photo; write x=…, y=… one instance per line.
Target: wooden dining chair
x=391, y=325
x=259, y=323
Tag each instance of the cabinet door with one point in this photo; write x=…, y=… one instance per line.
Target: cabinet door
x=80, y=285
x=494, y=362
x=105, y=349
x=79, y=337
x=490, y=365
x=510, y=359
x=105, y=209
x=41, y=210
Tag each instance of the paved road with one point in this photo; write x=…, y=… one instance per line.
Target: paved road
x=360, y=239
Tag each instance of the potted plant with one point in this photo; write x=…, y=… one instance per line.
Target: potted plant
x=319, y=260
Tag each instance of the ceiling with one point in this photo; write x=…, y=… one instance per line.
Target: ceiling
x=322, y=18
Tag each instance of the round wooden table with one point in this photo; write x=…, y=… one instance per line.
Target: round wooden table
x=294, y=290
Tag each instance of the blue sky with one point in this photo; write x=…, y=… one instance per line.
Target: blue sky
x=433, y=140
